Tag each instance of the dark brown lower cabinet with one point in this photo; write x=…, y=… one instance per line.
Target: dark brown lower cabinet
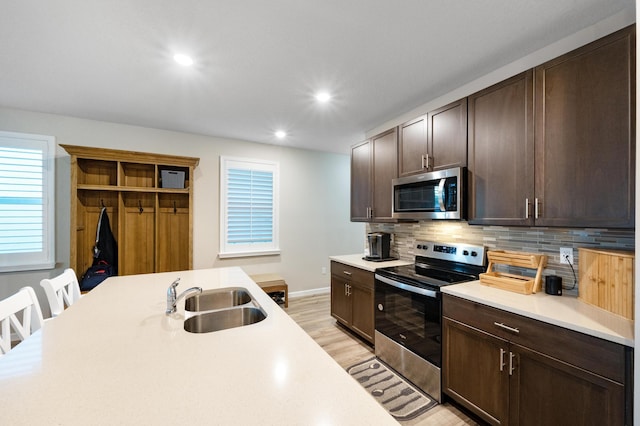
x=545, y=391
x=352, y=299
x=472, y=374
x=538, y=375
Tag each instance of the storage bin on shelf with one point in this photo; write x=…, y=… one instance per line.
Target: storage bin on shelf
x=512, y=282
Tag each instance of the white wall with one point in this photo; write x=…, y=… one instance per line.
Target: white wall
x=314, y=198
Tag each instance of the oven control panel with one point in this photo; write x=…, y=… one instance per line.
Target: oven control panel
x=454, y=252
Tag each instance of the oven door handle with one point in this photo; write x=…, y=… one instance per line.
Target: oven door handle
x=408, y=287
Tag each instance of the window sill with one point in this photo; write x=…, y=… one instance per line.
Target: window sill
x=228, y=255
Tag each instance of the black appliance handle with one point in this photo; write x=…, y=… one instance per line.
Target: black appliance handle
x=407, y=287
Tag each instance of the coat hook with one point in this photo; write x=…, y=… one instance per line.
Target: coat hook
x=102, y=202
x=140, y=206
x=175, y=210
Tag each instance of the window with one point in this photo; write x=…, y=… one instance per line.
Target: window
x=27, y=219
x=248, y=207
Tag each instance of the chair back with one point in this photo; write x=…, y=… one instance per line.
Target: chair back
x=62, y=291
x=26, y=303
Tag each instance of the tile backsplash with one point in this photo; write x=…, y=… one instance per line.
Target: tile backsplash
x=535, y=240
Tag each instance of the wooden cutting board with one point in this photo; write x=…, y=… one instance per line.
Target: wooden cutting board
x=606, y=280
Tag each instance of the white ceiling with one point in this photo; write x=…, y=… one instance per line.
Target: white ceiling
x=258, y=63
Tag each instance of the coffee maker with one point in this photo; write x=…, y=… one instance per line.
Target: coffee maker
x=379, y=246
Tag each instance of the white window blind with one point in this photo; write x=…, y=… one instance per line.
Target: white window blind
x=26, y=202
x=249, y=204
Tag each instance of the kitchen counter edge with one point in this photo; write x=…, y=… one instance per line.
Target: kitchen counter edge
x=357, y=261
x=564, y=311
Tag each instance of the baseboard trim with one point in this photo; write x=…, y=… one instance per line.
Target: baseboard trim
x=312, y=292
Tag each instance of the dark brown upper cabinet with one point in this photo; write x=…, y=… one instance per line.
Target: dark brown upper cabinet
x=585, y=135
x=556, y=146
x=361, y=172
x=374, y=164
x=447, y=134
x=413, y=148
x=501, y=154
x=435, y=141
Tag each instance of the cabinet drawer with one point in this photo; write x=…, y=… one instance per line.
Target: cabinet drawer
x=357, y=275
x=590, y=353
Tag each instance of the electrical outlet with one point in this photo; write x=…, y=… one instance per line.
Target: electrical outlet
x=566, y=255
x=324, y=270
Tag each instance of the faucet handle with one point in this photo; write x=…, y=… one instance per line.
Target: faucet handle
x=175, y=283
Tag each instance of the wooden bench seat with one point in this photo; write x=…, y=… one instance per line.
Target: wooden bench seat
x=271, y=283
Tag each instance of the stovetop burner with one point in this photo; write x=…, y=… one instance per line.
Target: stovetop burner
x=438, y=265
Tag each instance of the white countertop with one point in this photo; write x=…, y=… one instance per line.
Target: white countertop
x=564, y=311
x=357, y=261
x=114, y=357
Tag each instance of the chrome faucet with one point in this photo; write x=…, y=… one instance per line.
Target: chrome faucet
x=172, y=299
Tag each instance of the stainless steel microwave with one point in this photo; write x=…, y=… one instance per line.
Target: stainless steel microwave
x=432, y=195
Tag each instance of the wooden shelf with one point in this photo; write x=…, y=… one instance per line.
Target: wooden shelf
x=152, y=225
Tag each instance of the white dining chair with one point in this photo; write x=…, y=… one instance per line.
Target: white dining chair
x=26, y=303
x=62, y=291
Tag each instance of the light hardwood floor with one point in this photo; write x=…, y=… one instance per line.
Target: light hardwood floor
x=312, y=313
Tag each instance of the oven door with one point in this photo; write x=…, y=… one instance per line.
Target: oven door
x=410, y=316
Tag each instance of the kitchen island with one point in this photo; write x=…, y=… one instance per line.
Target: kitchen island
x=115, y=357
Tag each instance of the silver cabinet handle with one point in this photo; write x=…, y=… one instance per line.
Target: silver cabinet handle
x=347, y=289
x=346, y=273
x=506, y=327
x=526, y=208
x=502, y=364
x=537, y=208
x=425, y=162
x=511, y=367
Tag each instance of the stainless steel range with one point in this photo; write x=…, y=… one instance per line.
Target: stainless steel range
x=408, y=314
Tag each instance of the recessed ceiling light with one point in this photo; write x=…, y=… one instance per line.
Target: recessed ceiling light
x=183, y=60
x=281, y=134
x=323, y=97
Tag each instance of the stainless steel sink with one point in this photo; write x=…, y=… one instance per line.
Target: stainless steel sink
x=224, y=319
x=222, y=298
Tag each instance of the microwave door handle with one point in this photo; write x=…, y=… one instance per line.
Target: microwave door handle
x=441, y=199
